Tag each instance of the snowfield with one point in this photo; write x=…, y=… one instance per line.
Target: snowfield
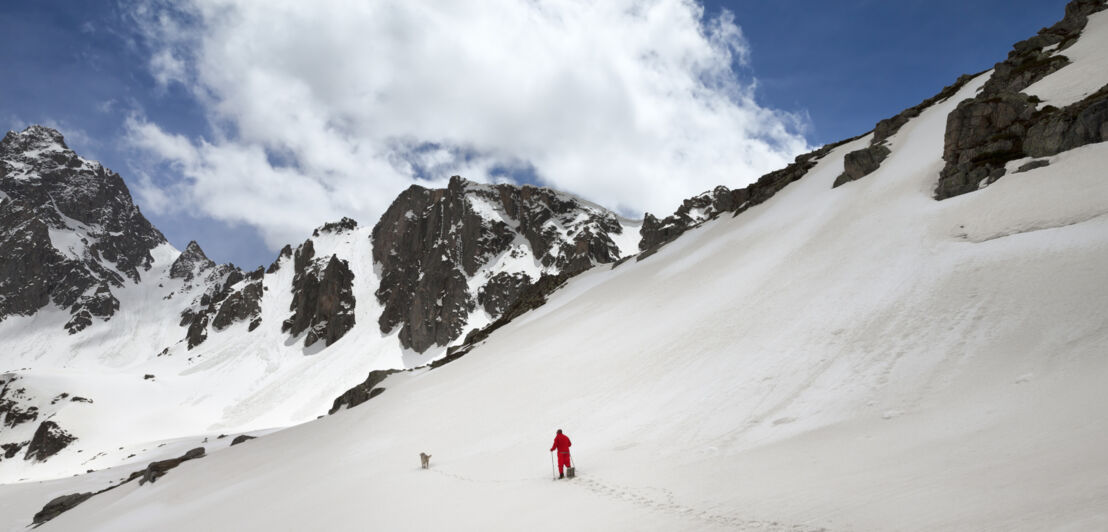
x=857, y=358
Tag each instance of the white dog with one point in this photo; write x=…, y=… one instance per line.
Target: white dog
x=424, y=460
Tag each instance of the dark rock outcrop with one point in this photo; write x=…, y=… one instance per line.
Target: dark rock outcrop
x=860, y=163
x=150, y=473
x=431, y=243
x=656, y=233
x=1002, y=124
x=13, y=403
x=241, y=438
x=241, y=305
x=13, y=408
x=707, y=206
x=532, y=297
x=60, y=505
x=191, y=262
x=342, y=226
x=12, y=449
x=276, y=265
x=48, y=440
x=221, y=303
x=501, y=291
x=69, y=231
x=323, y=297
x=362, y=392
x=156, y=470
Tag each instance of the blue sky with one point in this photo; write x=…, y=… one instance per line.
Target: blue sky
x=825, y=70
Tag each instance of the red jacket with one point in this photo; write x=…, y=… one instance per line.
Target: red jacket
x=562, y=443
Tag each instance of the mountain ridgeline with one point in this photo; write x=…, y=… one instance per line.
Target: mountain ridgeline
x=453, y=260
x=71, y=235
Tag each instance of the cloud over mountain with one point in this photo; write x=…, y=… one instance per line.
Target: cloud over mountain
x=325, y=108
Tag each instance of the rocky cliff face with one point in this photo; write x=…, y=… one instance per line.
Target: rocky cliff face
x=1002, y=124
x=323, y=295
x=69, y=232
x=443, y=251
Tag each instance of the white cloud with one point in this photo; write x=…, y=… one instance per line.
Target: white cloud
x=329, y=108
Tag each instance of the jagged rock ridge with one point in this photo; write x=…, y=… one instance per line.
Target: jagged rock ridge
x=1002, y=124
x=443, y=251
x=70, y=231
x=710, y=205
x=323, y=293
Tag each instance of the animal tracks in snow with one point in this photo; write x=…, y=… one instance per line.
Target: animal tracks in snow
x=663, y=500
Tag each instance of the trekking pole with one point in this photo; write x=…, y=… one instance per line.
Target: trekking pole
x=553, y=471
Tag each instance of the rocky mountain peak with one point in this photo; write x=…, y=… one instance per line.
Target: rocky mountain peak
x=69, y=231
x=32, y=138
x=442, y=251
x=191, y=261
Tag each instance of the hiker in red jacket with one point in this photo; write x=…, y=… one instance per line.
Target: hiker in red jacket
x=562, y=443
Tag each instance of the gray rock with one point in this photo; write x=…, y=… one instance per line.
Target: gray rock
x=430, y=242
x=694, y=211
x=50, y=188
x=860, y=163
x=156, y=470
x=1001, y=124
x=1038, y=163
x=59, y=505
x=502, y=290
x=362, y=392
x=190, y=262
x=323, y=298
x=48, y=440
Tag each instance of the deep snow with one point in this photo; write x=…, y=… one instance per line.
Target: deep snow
x=858, y=358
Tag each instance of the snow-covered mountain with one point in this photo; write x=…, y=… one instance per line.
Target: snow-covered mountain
x=113, y=339
x=905, y=330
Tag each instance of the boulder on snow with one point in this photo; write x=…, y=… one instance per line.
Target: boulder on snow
x=860, y=163
x=363, y=392
x=156, y=470
x=1037, y=163
x=241, y=438
x=59, y=505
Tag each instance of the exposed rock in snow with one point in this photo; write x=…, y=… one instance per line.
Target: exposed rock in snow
x=286, y=252
x=243, y=304
x=241, y=438
x=323, y=297
x=14, y=407
x=69, y=231
x=438, y=249
x=1002, y=124
x=362, y=392
x=710, y=205
x=60, y=505
x=342, y=226
x=47, y=441
x=501, y=291
x=860, y=163
x=693, y=211
x=156, y=470
x=190, y=263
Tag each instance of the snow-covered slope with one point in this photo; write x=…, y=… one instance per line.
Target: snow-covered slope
x=187, y=350
x=853, y=358
x=859, y=357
